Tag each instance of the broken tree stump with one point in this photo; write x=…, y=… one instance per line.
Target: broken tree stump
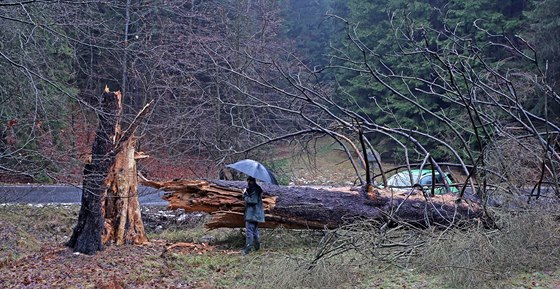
x=309, y=208
x=109, y=209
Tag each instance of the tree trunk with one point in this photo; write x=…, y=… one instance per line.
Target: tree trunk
x=110, y=208
x=123, y=221
x=301, y=208
x=86, y=237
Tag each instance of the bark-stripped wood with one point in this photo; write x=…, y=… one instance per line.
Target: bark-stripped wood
x=123, y=221
x=301, y=207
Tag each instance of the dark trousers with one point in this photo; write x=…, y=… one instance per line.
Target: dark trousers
x=252, y=237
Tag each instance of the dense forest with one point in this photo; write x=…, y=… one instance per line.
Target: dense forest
x=470, y=84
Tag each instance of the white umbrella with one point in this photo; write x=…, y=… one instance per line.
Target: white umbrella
x=254, y=169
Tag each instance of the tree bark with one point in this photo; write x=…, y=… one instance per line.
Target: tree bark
x=110, y=208
x=308, y=208
x=86, y=237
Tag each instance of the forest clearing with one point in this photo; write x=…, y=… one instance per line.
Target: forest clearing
x=295, y=144
x=183, y=253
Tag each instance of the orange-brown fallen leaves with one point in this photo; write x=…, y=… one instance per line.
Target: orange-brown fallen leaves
x=197, y=248
x=128, y=266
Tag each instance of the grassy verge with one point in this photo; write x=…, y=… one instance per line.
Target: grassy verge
x=322, y=162
x=23, y=229
x=522, y=253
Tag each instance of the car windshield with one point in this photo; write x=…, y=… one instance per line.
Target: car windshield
x=427, y=180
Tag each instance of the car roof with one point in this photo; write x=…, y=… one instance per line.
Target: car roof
x=417, y=172
x=402, y=178
x=423, y=172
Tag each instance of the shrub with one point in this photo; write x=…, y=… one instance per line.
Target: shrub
x=472, y=258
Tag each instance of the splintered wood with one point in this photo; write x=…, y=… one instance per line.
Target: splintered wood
x=308, y=208
x=204, y=196
x=122, y=217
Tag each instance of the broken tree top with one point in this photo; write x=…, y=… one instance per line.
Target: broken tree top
x=304, y=207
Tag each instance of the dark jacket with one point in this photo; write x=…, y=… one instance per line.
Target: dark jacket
x=254, y=211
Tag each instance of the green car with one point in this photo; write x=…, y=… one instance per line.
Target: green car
x=423, y=178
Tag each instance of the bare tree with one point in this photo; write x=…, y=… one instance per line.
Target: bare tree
x=37, y=98
x=494, y=98
x=149, y=50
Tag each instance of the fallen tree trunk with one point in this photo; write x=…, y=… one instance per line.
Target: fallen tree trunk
x=302, y=207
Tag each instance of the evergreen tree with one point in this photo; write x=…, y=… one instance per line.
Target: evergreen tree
x=36, y=90
x=309, y=28
x=392, y=34
x=544, y=33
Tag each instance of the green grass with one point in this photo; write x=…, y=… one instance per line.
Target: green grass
x=524, y=243
x=322, y=163
x=24, y=229
x=325, y=165
x=285, y=260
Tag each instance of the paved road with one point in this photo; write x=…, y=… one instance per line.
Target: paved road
x=65, y=194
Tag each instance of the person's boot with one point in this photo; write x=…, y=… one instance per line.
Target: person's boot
x=248, y=246
x=257, y=245
x=247, y=249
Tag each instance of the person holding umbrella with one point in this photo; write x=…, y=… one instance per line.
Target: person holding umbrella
x=254, y=214
x=252, y=195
